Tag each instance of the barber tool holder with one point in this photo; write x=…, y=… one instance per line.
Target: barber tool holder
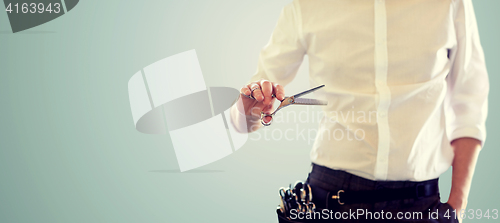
x=296, y=199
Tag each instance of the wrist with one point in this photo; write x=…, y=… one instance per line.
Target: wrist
x=457, y=203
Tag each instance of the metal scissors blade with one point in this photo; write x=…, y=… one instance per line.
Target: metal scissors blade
x=308, y=91
x=307, y=101
x=293, y=100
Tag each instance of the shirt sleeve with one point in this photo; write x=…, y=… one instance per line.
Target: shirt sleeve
x=468, y=85
x=280, y=59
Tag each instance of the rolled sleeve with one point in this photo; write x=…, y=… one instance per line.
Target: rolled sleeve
x=468, y=85
x=281, y=58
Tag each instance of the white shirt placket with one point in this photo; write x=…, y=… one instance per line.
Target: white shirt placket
x=384, y=94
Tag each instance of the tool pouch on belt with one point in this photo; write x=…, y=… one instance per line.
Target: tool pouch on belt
x=294, y=201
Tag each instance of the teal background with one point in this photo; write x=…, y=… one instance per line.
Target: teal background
x=69, y=151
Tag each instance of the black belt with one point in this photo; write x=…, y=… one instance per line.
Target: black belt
x=324, y=198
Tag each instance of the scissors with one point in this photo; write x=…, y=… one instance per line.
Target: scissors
x=295, y=99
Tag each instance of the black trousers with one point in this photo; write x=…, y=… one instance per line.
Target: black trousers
x=427, y=209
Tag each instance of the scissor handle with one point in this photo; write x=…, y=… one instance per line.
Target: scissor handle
x=285, y=102
x=263, y=115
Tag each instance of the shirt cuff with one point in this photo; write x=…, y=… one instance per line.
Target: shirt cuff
x=469, y=132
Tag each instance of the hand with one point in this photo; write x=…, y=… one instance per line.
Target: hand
x=457, y=206
x=262, y=91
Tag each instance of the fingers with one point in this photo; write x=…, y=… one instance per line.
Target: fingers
x=267, y=110
x=267, y=91
x=263, y=91
x=267, y=119
x=279, y=91
x=245, y=90
x=256, y=91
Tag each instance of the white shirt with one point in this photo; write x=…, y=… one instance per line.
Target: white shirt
x=415, y=68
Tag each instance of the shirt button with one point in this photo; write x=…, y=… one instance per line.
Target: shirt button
x=382, y=113
x=378, y=83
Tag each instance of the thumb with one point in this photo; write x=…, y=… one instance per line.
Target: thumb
x=268, y=109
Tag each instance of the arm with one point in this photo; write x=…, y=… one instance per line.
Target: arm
x=464, y=163
x=467, y=102
x=279, y=62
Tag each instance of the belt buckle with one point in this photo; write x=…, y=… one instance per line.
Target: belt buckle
x=337, y=197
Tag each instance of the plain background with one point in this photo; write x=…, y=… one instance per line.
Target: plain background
x=69, y=151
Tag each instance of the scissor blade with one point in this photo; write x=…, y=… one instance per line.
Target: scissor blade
x=308, y=91
x=307, y=101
